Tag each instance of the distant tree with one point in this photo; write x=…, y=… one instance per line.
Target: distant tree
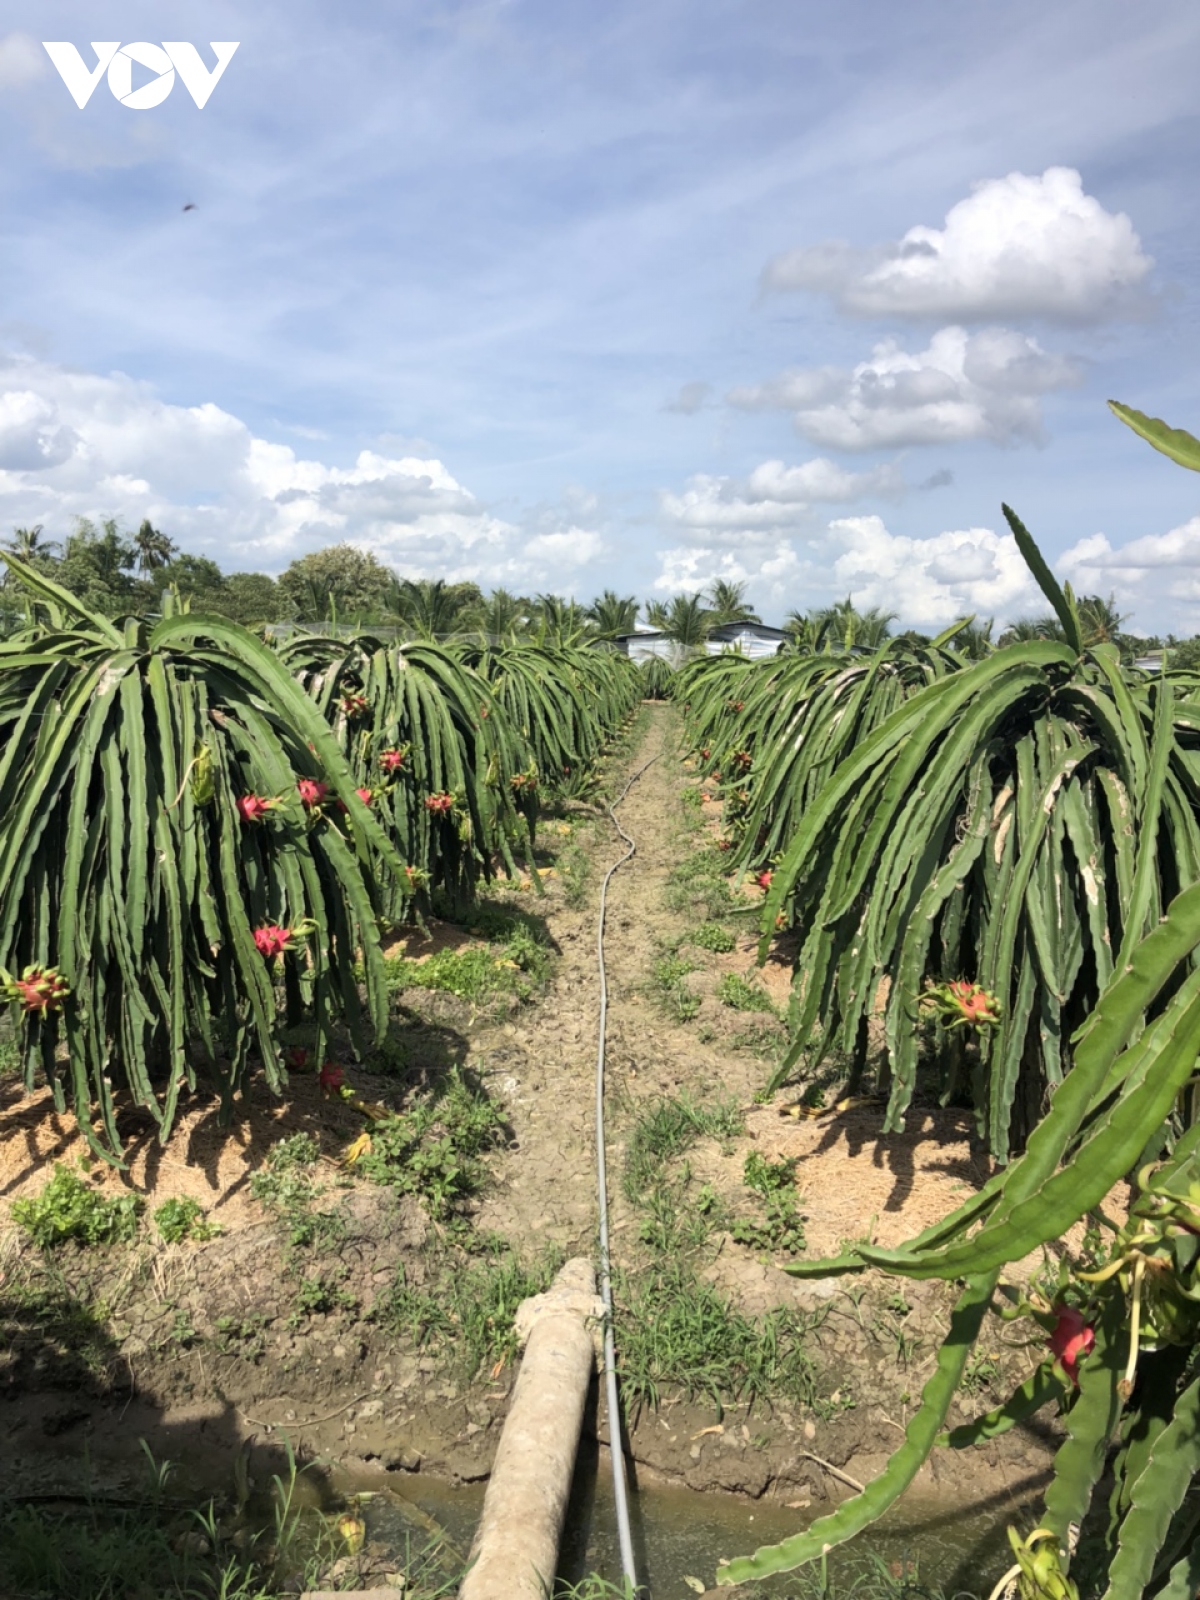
x=1099, y=620
x=1026, y=628
x=728, y=604
x=29, y=544
x=688, y=621
x=559, y=622
x=974, y=640
x=429, y=608
x=97, y=566
x=154, y=549
x=500, y=615
x=196, y=578
x=841, y=626
x=657, y=613
x=251, y=598
x=613, y=614
x=339, y=583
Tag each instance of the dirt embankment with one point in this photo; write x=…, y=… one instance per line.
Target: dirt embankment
x=270, y=1331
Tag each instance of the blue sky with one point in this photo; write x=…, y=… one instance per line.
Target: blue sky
x=573, y=296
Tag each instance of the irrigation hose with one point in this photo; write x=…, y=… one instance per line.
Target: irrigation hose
x=616, y=1449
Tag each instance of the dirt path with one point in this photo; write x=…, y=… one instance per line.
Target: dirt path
x=544, y=1066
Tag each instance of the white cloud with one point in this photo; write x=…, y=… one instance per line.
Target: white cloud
x=774, y=499
x=22, y=60
x=1155, y=579
x=1016, y=247
x=77, y=444
x=927, y=582
x=984, y=385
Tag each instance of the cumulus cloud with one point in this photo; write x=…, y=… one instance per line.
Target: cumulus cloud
x=773, y=499
x=931, y=581
x=1018, y=246
x=79, y=444
x=984, y=385
x=927, y=582
x=1155, y=579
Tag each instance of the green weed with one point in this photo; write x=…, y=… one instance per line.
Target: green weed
x=667, y=1129
x=782, y=1226
x=10, y=1058
x=433, y=1148
x=679, y=1332
x=712, y=936
x=575, y=871
x=177, y=1220
x=286, y=1182
x=466, y=1307
x=519, y=966
x=173, y=1549
x=675, y=1221
x=741, y=995
x=69, y=1208
x=698, y=883
x=669, y=989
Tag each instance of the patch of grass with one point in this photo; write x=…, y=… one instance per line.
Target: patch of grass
x=782, y=1226
x=48, y=1325
x=321, y=1292
x=669, y=989
x=177, y=1220
x=741, y=995
x=519, y=966
x=698, y=884
x=174, y=1549
x=594, y=1587
x=712, y=936
x=679, y=1332
x=575, y=871
x=433, y=1148
x=286, y=1181
x=667, y=1129
x=762, y=1040
x=10, y=1058
x=466, y=1306
x=676, y=1221
x=69, y=1208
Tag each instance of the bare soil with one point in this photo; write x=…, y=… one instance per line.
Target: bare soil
x=200, y=1349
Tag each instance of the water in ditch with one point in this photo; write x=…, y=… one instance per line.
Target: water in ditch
x=680, y=1535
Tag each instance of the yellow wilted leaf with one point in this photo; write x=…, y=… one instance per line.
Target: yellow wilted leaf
x=360, y=1147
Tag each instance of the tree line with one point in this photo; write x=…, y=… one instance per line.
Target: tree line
x=115, y=572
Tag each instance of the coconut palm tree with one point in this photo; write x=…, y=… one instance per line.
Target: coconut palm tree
x=688, y=621
x=154, y=549
x=728, y=603
x=501, y=616
x=559, y=622
x=427, y=606
x=613, y=614
x=841, y=626
x=29, y=544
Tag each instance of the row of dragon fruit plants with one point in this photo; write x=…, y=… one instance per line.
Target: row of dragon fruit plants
x=203, y=837
x=957, y=841
x=1009, y=849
